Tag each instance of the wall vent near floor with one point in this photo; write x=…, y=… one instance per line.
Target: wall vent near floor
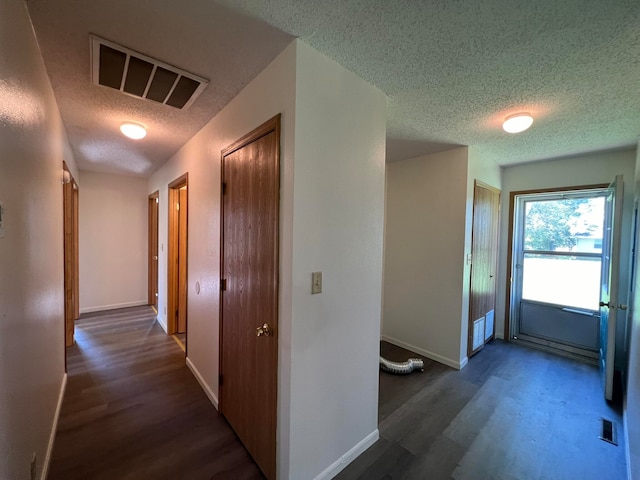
x=608, y=431
x=138, y=75
x=478, y=333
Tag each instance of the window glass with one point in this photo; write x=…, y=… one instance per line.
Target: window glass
x=564, y=225
x=562, y=280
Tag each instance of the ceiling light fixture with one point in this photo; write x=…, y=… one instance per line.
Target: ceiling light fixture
x=133, y=130
x=517, y=123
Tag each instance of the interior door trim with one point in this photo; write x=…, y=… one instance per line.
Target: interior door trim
x=172, y=253
x=152, y=262
x=477, y=185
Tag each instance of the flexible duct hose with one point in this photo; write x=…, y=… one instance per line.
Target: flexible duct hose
x=401, y=368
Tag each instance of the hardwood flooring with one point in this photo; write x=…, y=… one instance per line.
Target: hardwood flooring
x=133, y=410
x=511, y=413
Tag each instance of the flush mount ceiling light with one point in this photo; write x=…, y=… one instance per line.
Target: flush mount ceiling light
x=517, y=123
x=133, y=130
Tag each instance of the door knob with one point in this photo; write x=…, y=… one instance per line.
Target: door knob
x=263, y=331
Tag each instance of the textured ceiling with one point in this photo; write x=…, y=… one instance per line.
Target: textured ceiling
x=200, y=37
x=452, y=69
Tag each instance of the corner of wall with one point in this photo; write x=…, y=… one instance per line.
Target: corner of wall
x=424, y=288
x=162, y=322
x=205, y=386
x=336, y=467
x=337, y=225
x=458, y=364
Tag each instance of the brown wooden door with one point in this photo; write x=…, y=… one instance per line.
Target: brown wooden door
x=76, y=251
x=484, y=264
x=182, y=261
x=177, y=258
x=153, y=250
x=249, y=268
x=71, y=263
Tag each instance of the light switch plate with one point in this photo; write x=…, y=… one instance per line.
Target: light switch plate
x=316, y=282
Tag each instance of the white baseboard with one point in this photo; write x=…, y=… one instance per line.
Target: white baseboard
x=136, y=303
x=463, y=363
x=433, y=356
x=336, y=467
x=54, y=428
x=203, y=384
x=162, y=322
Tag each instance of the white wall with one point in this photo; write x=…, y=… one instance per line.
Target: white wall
x=333, y=131
x=272, y=92
x=113, y=241
x=338, y=230
x=632, y=391
x=32, y=147
x=425, y=247
x=596, y=168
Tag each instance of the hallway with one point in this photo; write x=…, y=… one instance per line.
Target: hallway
x=133, y=410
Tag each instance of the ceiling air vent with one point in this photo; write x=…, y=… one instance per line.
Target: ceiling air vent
x=144, y=77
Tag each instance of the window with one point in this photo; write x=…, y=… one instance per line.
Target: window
x=562, y=249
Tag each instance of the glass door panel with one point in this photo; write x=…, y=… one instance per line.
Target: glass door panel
x=562, y=280
x=558, y=240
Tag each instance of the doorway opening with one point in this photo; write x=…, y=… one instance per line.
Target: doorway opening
x=558, y=266
x=70, y=203
x=152, y=297
x=177, y=260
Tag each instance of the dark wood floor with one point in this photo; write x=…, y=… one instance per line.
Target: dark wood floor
x=512, y=413
x=133, y=410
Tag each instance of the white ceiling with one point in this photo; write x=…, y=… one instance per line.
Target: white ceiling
x=452, y=69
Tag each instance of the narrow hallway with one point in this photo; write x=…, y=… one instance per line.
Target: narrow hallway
x=133, y=410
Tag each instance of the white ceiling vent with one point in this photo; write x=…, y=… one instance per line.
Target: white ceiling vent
x=133, y=73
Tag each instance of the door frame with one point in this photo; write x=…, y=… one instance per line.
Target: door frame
x=152, y=256
x=610, y=304
x=271, y=125
x=71, y=213
x=496, y=238
x=509, y=325
x=173, y=252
